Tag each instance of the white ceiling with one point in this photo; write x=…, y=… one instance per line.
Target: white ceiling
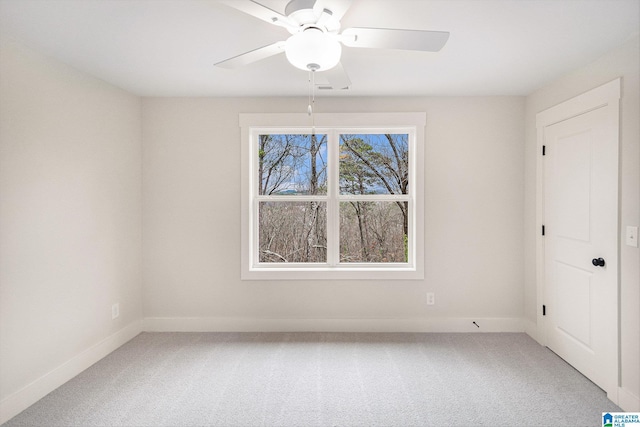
x=168, y=47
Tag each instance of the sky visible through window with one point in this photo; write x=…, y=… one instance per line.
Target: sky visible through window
x=296, y=164
x=291, y=164
x=374, y=164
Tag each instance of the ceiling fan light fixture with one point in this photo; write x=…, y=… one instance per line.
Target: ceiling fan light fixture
x=313, y=49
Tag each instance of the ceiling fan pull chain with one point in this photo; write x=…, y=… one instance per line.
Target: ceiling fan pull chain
x=309, y=109
x=312, y=98
x=313, y=101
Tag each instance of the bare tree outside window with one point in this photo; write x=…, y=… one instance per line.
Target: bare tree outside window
x=290, y=165
x=372, y=227
x=293, y=232
x=371, y=232
x=372, y=164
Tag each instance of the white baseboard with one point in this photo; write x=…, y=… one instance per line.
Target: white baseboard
x=17, y=402
x=628, y=401
x=228, y=324
x=531, y=329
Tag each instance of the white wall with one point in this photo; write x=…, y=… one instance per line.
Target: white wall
x=623, y=62
x=70, y=212
x=474, y=221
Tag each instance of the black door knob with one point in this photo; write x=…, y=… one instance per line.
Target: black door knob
x=598, y=262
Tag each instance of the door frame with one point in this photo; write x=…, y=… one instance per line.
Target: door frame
x=605, y=96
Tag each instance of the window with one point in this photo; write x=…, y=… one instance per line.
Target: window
x=339, y=200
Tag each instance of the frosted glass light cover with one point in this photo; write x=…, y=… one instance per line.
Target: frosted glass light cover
x=313, y=49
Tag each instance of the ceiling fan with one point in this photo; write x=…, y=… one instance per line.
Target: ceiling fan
x=316, y=42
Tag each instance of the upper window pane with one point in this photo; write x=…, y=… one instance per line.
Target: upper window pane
x=374, y=164
x=290, y=164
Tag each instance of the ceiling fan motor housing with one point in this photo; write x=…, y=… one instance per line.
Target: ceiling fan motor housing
x=301, y=11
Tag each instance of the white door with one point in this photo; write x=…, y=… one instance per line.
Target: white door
x=581, y=229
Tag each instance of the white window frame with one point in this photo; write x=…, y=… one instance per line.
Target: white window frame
x=252, y=125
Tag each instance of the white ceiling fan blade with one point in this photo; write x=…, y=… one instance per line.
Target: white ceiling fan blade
x=252, y=56
x=337, y=7
x=383, y=38
x=259, y=11
x=337, y=78
x=325, y=17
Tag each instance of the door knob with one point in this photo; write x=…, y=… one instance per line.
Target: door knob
x=598, y=262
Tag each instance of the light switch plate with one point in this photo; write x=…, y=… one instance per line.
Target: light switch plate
x=632, y=236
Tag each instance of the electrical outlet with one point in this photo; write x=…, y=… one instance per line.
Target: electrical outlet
x=115, y=310
x=431, y=298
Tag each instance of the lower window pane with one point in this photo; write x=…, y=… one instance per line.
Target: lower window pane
x=373, y=232
x=292, y=232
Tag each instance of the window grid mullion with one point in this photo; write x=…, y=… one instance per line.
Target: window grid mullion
x=318, y=198
x=333, y=206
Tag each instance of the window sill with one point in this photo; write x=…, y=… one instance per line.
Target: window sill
x=337, y=273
